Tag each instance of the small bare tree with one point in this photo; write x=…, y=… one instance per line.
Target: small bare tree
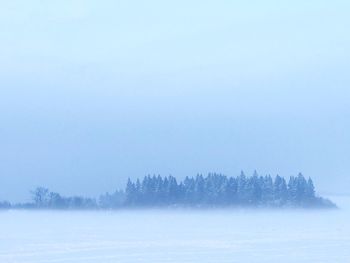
x=40, y=196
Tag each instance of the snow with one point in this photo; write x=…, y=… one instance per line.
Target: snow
x=177, y=236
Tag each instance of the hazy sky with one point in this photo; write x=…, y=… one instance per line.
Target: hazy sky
x=92, y=92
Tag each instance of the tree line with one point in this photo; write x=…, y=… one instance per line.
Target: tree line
x=220, y=190
x=213, y=190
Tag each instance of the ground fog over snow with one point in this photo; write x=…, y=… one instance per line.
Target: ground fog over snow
x=177, y=236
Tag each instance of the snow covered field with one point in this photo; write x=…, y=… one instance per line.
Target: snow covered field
x=177, y=236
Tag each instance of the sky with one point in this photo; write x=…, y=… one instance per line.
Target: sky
x=94, y=92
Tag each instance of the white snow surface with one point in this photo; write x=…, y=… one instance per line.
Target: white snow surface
x=177, y=236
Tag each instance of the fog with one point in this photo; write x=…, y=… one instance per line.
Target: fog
x=95, y=92
x=177, y=236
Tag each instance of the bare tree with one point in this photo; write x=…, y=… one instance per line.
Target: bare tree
x=40, y=196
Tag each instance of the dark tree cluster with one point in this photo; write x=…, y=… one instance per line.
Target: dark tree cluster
x=5, y=205
x=114, y=200
x=219, y=190
x=43, y=198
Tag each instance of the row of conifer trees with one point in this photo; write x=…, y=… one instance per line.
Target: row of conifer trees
x=220, y=190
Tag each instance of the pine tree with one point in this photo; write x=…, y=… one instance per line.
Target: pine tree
x=199, y=189
x=241, y=188
x=292, y=191
x=130, y=192
x=301, y=188
x=267, y=190
x=280, y=191
x=231, y=191
x=310, y=191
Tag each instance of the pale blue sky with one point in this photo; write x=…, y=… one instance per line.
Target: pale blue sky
x=92, y=92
